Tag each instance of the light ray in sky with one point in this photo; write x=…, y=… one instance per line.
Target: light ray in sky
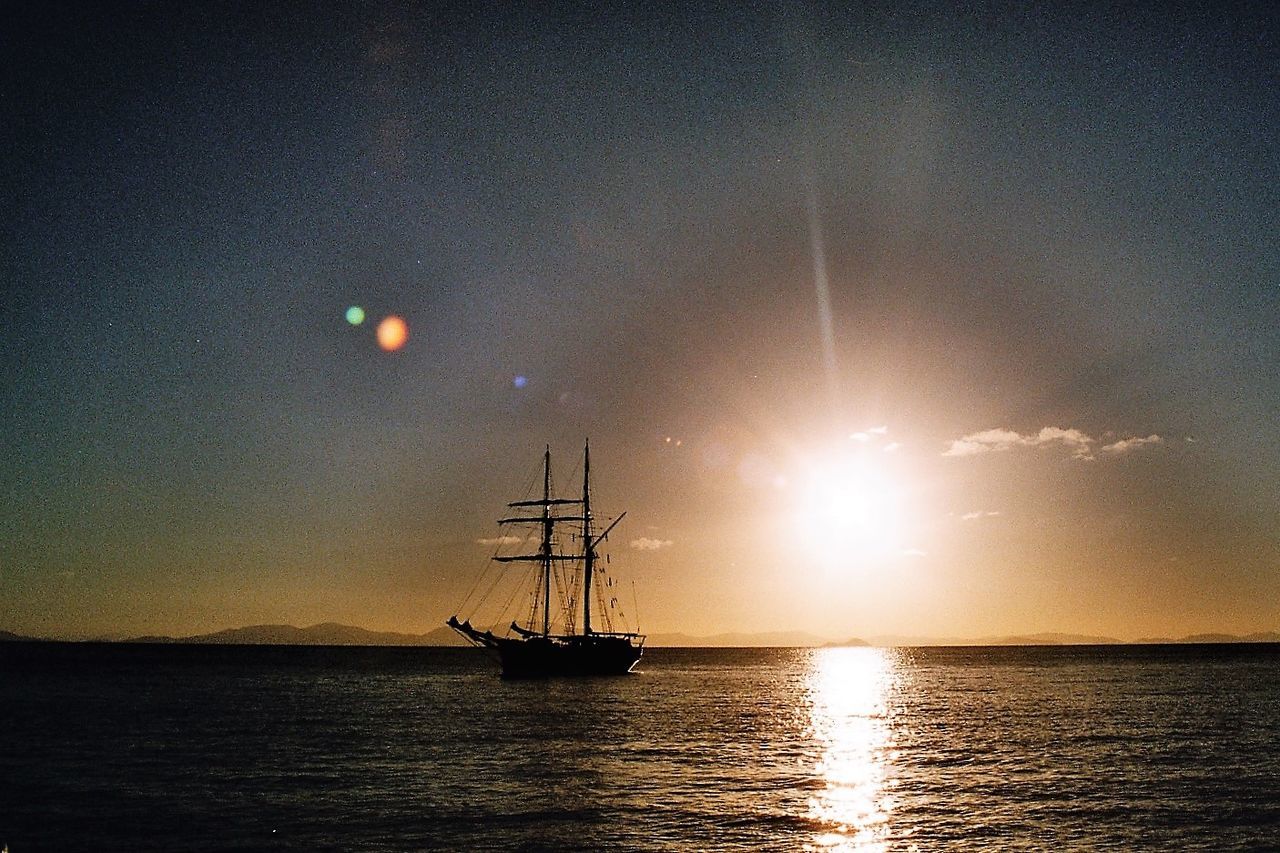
x=822, y=291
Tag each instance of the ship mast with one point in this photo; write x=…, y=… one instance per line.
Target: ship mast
x=545, y=550
x=588, y=547
x=546, y=554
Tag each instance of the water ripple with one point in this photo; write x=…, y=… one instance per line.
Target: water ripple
x=118, y=748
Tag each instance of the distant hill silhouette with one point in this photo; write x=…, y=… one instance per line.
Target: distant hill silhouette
x=1057, y=639
x=1053, y=639
x=324, y=634
x=336, y=634
x=768, y=639
x=1042, y=639
x=1259, y=637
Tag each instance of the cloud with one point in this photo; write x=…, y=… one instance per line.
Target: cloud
x=495, y=541
x=1080, y=444
x=869, y=433
x=1126, y=444
x=985, y=442
x=644, y=543
x=970, y=516
x=1073, y=438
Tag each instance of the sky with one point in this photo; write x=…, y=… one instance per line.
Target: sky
x=882, y=319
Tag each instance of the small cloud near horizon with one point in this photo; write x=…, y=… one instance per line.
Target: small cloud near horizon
x=1126, y=444
x=1080, y=444
x=644, y=543
x=494, y=541
x=869, y=434
x=969, y=516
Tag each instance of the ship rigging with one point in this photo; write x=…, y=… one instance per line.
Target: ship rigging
x=551, y=640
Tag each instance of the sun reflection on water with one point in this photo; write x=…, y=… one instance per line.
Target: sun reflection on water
x=848, y=693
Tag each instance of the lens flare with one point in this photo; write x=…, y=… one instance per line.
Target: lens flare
x=520, y=381
x=355, y=315
x=392, y=333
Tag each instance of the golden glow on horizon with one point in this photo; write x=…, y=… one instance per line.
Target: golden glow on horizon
x=848, y=718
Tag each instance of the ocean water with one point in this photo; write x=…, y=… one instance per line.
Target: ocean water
x=117, y=747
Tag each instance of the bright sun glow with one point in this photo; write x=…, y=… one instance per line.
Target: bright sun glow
x=850, y=508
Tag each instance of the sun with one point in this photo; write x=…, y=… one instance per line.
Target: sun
x=850, y=507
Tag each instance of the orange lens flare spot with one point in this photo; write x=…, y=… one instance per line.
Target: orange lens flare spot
x=392, y=333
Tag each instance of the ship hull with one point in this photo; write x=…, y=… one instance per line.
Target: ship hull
x=539, y=656
x=544, y=657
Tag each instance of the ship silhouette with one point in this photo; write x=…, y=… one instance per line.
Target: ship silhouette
x=551, y=641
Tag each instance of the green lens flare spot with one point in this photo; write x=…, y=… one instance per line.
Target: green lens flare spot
x=355, y=315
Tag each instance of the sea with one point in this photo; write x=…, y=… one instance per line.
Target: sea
x=184, y=747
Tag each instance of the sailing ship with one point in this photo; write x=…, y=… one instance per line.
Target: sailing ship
x=555, y=643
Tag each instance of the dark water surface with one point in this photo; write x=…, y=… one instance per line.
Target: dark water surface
x=115, y=747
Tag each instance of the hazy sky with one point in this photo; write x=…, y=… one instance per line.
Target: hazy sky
x=960, y=321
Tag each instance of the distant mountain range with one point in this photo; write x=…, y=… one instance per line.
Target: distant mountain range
x=1043, y=639
x=770, y=639
x=1259, y=637
x=324, y=634
x=335, y=634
